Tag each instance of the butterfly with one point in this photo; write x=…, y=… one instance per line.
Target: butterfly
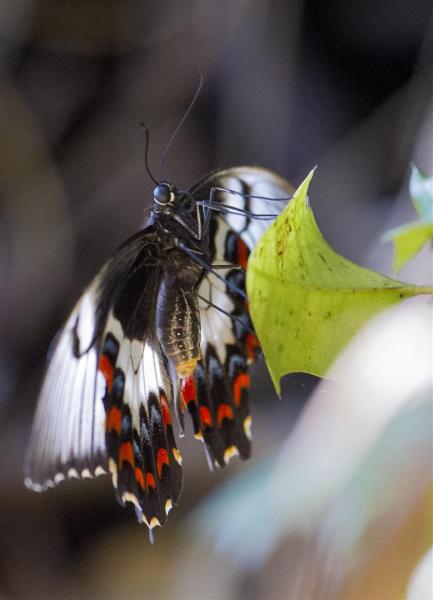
x=162, y=330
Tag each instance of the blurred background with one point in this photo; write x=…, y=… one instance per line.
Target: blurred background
x=288, y=85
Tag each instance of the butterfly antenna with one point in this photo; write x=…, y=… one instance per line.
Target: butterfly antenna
x=146, y=151
x=182, y=121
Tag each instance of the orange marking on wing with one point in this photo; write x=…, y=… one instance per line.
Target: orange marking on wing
x=150, y=481
x=241, y=382
x=139, y=477
x=113, y=421
x=165, y=410
x=205, y=416
x=252, y=343
x=187, y=390
x=242, y=253
x=126, y=454
x=161, y=460
x=107, y=371
x=225, y=411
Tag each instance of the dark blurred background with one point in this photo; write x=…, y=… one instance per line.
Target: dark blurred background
x=346, y=86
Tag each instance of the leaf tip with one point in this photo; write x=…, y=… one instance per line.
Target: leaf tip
x=303, y=188
x=275, y=377
x=309, y=177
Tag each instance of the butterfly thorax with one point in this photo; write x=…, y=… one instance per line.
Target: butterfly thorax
x=176, y=212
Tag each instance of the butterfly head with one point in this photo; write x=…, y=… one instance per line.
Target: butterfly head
x=164, y=194
x=176, y=211
x=167, y=198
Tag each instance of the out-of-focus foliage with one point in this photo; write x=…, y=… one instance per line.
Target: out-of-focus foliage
x=409, y=239
x=306, y=301
x=350, y=494
x=421, y=192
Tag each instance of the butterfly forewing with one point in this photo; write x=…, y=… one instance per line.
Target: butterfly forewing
x=68, y=438
x=104, y=370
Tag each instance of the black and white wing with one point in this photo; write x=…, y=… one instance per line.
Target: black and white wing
x=68, y=437
x=216, y=395
x=105, y=401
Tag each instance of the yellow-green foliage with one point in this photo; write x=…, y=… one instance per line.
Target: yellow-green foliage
x=409, y=239
x=306, y=301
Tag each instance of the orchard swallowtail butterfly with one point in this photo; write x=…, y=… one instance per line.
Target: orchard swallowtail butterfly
x=163, y=328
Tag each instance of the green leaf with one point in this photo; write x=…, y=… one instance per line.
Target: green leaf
x=306, y=301
x=408, y=241
x=421, y=191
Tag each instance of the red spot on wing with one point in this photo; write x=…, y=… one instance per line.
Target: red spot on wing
x=205, y=416
x=107, y=371
x=114, y=420
x=139, y=477
x=126, y=454
x=252, y=344
x=242, y=253
x=165, y=410
x=241, y=381
x=150, y=481
x=225, y=411
x=187, y=390
x=161, y=460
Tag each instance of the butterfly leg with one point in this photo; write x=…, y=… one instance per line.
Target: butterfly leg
x=208, y=210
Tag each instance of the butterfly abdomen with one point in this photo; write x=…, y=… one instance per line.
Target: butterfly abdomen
x=178, y=315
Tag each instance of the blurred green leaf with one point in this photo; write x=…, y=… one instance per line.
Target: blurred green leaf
x=410, y=238
x=421, y=191
x=408, y=241
x=306, y=301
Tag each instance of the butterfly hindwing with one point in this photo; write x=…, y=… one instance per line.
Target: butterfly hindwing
x=222, y=378
x=217, y=394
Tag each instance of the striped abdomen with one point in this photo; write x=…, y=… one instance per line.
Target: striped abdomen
x=177, y=315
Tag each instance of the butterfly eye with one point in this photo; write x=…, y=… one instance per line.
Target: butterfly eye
x=163, y=194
